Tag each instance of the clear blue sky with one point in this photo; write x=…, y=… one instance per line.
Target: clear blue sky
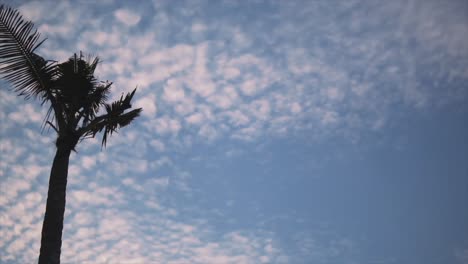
x=272, y=132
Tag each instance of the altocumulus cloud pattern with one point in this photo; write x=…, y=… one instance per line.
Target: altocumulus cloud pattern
x=272, y=132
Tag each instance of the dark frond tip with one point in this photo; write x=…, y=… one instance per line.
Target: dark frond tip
x=130, y=116
x=119, y=106
x=114, y=124
x=128, y=98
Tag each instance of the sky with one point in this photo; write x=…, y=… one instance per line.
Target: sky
x=272, y=132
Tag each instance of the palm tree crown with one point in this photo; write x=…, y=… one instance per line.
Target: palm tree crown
x=73, y=92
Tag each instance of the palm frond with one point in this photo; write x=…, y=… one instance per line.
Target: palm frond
x=121, y=105
x=113, y=123
x=94, y=101
x=93, y=62
x=29, y=73
x=114, y=119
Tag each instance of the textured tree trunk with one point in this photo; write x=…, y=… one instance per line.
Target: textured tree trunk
x=51, y=241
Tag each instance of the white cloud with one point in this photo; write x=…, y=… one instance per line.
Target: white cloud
x=237, y=118
x=225, y=98
x=103, y=38
x=27, y=114
x=173, y=91
x=165, y=125
x=196, y=118
x=88, y=162
x=200, y=78
x=13, y=187
x=334, y=93
x=230, y=73
x=296, y=108
x=127, y=17
x=33, y=11
x=198, y=27
x=157, y=145
x=160, y=182
x=208, y=132
x=329, y=117
x=260, y=109
x=185, y=106
x=100, y=196
x=56, y=29
x=248, y=133
x=299, y=63
x=240, y=38
x=175, y=58
x=83, y=218
x=148, y=103
x=249, y=87
x=45, y=14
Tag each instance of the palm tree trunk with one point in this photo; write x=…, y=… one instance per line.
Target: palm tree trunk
x=51, y=241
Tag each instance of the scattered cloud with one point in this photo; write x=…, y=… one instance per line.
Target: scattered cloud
x=148, y=103
x=99, y=229
x=216, y=80
x=227, y=76
x=461, y=255
x=127, y=17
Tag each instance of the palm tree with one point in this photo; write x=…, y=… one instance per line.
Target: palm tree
x=75, y=98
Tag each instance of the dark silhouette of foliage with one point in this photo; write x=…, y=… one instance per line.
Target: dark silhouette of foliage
x=75, y=97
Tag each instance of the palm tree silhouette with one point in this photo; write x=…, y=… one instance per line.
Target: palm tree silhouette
x=75, y=97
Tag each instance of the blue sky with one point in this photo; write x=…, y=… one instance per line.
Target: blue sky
x=272, y=132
